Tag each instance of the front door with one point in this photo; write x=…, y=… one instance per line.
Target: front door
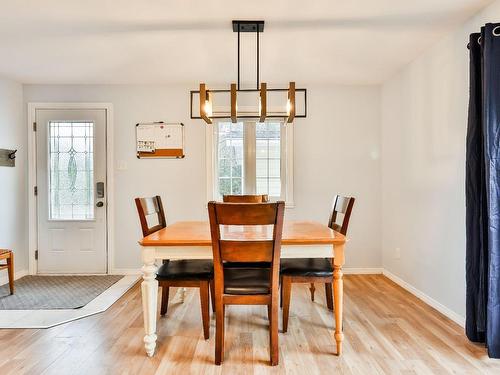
x=71, y=190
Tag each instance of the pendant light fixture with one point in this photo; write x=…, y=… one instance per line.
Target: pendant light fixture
x=268, y=107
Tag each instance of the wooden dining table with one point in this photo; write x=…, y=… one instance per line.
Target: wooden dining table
x=191, y=240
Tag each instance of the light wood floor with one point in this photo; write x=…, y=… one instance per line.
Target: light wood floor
x=387, y=331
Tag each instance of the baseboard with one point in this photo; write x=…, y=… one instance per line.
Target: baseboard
x=362, y=271
x=460, y=320
x=125, y=271
x=4, y=279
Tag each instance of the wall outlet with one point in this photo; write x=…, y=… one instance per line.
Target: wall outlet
x=397, y=253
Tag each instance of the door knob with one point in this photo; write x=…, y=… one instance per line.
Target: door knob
x=99, y=204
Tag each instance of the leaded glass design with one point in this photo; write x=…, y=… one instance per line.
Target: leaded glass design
x=71, y=171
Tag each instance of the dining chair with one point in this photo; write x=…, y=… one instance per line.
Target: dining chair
x=8, y=255
x=311, y=270
x=177, y=273
x=262, y=198
x=250, y=233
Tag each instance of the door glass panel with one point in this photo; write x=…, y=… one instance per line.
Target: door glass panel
x=71, y=174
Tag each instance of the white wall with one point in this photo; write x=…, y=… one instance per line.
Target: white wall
x=13, y=189
x=424, y=120
x=336, y=150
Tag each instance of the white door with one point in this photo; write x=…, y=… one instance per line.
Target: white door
x=71, y=190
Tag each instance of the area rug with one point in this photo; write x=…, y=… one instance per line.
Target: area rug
x=54, y=292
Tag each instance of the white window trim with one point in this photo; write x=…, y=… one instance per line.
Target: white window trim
x=211, y=163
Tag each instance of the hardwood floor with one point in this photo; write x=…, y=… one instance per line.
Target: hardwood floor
x=387, y=331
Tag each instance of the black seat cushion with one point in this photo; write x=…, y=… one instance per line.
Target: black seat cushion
x=309, y=267
x=247, y=281
x=186, y=270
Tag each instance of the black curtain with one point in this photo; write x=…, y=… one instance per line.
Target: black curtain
x=483, y=191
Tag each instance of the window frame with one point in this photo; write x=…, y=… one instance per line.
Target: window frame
x=286, y=157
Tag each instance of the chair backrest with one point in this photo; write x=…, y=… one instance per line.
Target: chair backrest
x=263, y=198
x=150, y=206
x=341, y=205
x=248, y=244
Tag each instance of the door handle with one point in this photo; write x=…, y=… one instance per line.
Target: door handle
x=100, y=190
x=99, y=204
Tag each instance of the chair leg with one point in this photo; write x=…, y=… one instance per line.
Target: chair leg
x=219, y=331
x=281, y=291
x=312, y=289
x=212, y=294
x=10, y=269
x=287, y=291
x=329, y=296
x=205, y=308
x=164, y=299
x=273, y=332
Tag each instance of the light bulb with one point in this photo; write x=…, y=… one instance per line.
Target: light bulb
x=288, y=107
x=208, y=108
x=260, y=106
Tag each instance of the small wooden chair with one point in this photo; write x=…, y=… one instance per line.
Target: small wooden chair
x=246, y=285
x=263, y=198
x=8, y=255
x=178, y=273
x=311, y=270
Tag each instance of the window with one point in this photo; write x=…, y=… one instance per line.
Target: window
x=250, y=158
x=230, y=158
x=71, y=171
x=268, y=159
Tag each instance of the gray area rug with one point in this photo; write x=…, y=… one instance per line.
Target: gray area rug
x=54, y=292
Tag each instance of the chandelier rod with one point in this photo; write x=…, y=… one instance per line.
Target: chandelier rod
x=238, y=56
x=258, y=50
x=248, y=26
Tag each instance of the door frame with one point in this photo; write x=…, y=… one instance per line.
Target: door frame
x=32, y=203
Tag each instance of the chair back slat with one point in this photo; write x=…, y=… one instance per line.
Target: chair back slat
x=256, y=249
x=150, y=205
x=263, y=198
x=246, y=251
x=246, y=214
x=341, y=205
x=147, y=207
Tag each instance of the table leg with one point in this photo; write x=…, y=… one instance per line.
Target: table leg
x=338, y=294
x=149, y=289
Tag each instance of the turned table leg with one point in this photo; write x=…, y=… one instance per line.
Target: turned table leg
x=338, y=294
x=149, y=289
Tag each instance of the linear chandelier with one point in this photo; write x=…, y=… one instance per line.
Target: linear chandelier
x=270, y=102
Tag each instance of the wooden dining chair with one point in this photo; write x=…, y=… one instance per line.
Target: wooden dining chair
x=311, y=270
x=263, y=198
x=177, y=273
x=8, y=255
x=246, y=285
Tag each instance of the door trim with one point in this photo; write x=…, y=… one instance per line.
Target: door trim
x=32, y=205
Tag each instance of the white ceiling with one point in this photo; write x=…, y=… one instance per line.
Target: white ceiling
x=187, y=41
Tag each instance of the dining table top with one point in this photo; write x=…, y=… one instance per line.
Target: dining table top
x=197, y=233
